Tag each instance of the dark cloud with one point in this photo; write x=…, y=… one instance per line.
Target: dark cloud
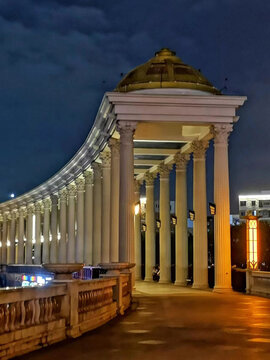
x=58, y=57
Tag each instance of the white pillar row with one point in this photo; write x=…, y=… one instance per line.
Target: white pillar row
x=115, y=182
x=106, y=206
x=29, y=234
x=200, y=243
x=62, y=253
x=222, y=236
x=150, y=234
x=11, y=259
x=181, y=234
x=88, y=218
x=46, y=231
x=37, y=235
x=20, y=257
x=4, y=239
x=165, y=224
x=126, y=211
x=137, y=232
x=8, y=235
x=71, y=255
x=54, y=240
x=80, y=220
x=97, y=200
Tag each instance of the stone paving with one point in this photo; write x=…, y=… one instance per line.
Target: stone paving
x=168, y=322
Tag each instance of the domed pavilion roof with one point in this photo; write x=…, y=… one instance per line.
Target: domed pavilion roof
x=165, y=70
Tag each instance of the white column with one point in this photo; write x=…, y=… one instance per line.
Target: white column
x=1, y=236
x=54, y=218
x=222, y=236
x=11, y=259
x=71, y=255
x=150, y=234
x=37, y=245
x=106, y=206
x=200, y=243
x=29, y=234
x=126, y=211
x=181, y=235
x=165, y=221
x=46, y=231
x=137, y=232
x=97, y=190
x=4, y=239
x=88, y=218
x=115, y=182
x=20, y=259
x=80, y=220
x=62, y=253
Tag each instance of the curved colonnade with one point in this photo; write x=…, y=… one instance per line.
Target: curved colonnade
x=85, y=213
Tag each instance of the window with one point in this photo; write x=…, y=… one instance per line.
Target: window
x=243, y=203
x=242, y=213
x=260, y=203
x=253, y=203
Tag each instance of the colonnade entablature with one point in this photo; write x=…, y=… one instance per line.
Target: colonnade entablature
x=85, y=213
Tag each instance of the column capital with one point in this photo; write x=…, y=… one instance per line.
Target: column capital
x=47, y=203
x=54, y=200
x=137, y=186
x=114, y=145
x=71, y=190
x=106, y=159
x=149, y=178
x=88, y=177
x=30, y=208
x=126, y=130
x=5, y=216
x=63, y=195
x=221, y=133
x=80, y=184
x=38, y=207
x=164, y=170
x=14, y=214
x=97, y=170
x=198, y=148
x=181, y=160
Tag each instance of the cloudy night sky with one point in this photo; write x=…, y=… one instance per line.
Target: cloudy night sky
x=58, y=57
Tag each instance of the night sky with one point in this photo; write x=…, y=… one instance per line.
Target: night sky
x=58, y=57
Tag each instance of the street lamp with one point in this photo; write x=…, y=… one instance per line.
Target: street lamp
x=252, y=242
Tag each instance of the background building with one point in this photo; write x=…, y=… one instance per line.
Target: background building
x=258, y=204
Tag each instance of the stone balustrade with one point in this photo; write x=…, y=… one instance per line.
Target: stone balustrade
x=258, y=283
x=31, y=318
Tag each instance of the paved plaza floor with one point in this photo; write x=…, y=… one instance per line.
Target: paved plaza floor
x=169, y=322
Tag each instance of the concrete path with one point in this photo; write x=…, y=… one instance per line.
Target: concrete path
x=168, y=322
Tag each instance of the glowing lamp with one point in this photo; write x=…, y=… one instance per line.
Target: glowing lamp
x=252, y=242
x=137, y=208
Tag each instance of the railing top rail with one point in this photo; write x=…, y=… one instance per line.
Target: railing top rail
x=85, y=285
x=25, y=294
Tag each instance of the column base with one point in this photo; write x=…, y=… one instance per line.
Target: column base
x=164, y=281
x=223, y=290
x=180, y=283
x=200, y=286
x=148, y=279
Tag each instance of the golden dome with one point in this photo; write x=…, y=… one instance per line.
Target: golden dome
x=165, y=70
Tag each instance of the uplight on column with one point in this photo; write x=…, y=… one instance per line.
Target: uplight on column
x=137, y=208
x=252, y=242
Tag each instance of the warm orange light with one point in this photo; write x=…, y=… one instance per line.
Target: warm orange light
x=252, y=244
